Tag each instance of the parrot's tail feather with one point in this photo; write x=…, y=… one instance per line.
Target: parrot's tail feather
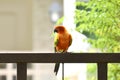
x=56, y=68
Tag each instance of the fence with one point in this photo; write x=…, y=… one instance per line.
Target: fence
x=23, y=58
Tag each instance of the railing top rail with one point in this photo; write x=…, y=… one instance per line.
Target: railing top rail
x=56, y=57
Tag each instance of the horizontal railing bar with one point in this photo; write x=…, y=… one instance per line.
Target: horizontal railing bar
x=56, y=57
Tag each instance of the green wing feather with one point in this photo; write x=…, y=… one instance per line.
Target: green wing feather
x=56, y=40
x=70, y=40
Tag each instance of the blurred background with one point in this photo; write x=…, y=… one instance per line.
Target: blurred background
x=27, y=26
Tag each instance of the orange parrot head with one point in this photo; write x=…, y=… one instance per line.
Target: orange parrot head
x=60, y=29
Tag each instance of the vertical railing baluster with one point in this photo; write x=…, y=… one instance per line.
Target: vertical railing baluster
x=63, y=71
x=102, y=71
x=21, y=71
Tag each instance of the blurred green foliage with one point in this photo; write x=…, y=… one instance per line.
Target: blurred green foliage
x=114, y=71
x=99, y=20
x=60, y=21
x=91, y=71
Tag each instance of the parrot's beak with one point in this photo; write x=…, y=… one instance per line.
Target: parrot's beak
x=55, y=31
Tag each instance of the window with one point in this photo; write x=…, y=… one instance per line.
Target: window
x=29, y=77
x=2, y=65
x=29, y=65
x=14, y=77
x=2, y=77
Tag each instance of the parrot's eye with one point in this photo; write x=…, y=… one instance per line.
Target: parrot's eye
x=55, y=30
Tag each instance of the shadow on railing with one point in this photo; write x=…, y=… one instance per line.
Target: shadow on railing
x=23, y=58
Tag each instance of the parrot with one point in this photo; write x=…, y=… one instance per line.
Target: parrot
x=62, y=41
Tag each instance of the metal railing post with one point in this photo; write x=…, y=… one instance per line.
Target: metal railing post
x=21, y=71
x=102, y=71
